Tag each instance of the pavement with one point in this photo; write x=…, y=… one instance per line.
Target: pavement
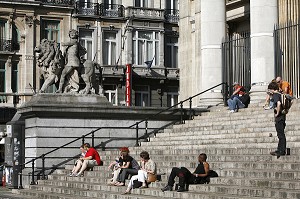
x=5, y=193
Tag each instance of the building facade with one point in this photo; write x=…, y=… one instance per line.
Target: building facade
x=114, y=33
x=248, y=41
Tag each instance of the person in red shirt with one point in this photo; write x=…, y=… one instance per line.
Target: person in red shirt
x=91, y=159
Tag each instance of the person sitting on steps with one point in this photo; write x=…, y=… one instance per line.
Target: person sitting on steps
x=239, y=99
x=83, y=152
x=147, y=167
x=199, y=176
x=90, y=160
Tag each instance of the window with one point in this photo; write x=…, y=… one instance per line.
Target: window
x=171, y=52
x=172, y=96
x=142, y=97
x=2, y=29
x=50, y=30
x=14, y=77
x=2, y=76
x=3, y=42
x=141, y=3
x=15, y=38
x=111, y=93
x=86, y=40
x=110, y=46
x=145, y=47
x=172, y=4
x=110, y=2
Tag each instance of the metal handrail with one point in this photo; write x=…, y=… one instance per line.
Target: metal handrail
x=136, y=125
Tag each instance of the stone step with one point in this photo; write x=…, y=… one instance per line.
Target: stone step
x=176, y=151
x=143, y=193
x=250, y=158
x=227, y=140
x=239, y=192
x=275, y=184
x=227, y=126
x=62, y=193
x=215, y=136
x=202, y=146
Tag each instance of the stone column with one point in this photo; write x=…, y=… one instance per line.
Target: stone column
x=28, y=75
x=213, y=17
x=263, y=15
x=8, y=75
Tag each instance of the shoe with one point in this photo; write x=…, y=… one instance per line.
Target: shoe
x=167, y=188
x=231, y=111
x=181, y=189
x=277, y=153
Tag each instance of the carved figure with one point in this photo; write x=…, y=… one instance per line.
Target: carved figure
x=65, y=69
x=50, y=62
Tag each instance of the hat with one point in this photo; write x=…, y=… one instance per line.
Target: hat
x=235, y=83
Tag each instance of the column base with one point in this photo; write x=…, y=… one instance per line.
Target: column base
x=214, y=98
x=258, y=92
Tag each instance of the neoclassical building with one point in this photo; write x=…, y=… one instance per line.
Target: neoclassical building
x=248, y=41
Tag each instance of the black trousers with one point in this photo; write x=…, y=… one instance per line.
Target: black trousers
x=185, y=177
x=280, y=126
x=124, y=174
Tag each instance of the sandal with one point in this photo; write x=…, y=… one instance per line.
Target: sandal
x=120, y=184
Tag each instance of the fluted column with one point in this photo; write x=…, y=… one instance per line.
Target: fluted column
x=213, y=19
x=263, y=17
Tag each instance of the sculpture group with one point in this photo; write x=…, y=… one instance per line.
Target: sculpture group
x=65, y=69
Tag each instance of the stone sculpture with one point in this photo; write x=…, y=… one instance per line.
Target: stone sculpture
x=65, y=69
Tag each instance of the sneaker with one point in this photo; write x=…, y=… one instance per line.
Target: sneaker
x=181, y=189
x=231, y=111
x=167, y=188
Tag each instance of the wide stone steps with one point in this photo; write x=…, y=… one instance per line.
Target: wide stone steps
x=238, y=146
x=153, y=191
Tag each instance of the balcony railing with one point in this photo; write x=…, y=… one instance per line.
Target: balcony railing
x=172, y=15
x=58, y=2
x=146, y=13
x=86, y=8
x=111, y=10
x=8, y=46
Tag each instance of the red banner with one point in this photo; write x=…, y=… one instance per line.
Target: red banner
x=128, y=84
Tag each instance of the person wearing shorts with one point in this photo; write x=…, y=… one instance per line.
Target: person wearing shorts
x=91, y=159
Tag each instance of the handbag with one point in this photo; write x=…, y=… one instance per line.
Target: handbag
x=151, y=177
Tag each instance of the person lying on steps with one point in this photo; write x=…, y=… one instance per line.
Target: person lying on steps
x=199, y=176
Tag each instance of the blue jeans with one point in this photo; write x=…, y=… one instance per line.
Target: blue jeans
x=235, y=103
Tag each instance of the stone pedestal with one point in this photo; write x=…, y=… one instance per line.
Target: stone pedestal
x=52, y=120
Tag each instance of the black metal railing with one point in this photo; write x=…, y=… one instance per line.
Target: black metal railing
x=111, y=10
x=87, y=8
x=184, y=113
x=287, y=54
x=172, y=15
x=58, y=2
x=8, y=45
x=236, y=60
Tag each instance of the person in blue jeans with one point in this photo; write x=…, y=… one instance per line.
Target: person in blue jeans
x=239, y=99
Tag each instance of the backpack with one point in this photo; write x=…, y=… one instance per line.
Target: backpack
x=286, y=102
x=245, y=99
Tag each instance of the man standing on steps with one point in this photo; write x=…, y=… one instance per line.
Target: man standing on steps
x=199, y=176
x=279, y=119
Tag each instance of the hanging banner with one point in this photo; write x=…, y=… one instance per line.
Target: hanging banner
x=128, y=84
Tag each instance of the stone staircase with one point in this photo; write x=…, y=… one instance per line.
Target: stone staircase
x=237, y=145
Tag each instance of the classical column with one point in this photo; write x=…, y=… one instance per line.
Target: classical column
x=263, y=15
x=213, y=17
x=28, y=75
